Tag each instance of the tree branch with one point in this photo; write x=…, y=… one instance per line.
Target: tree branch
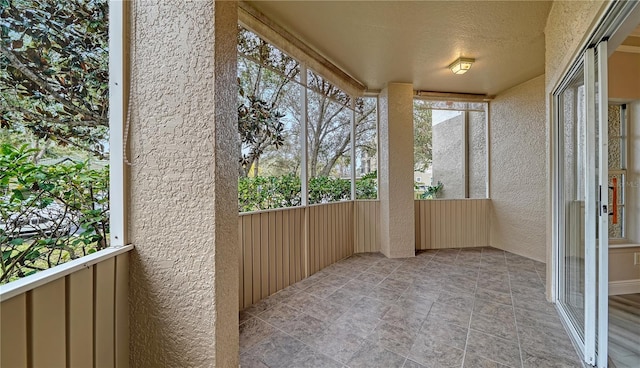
x=68, y=122
x=16, y=63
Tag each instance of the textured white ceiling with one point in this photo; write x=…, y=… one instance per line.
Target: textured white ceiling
x=414, y=41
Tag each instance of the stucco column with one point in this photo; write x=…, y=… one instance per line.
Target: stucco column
x=396, y=171
x=183, y=184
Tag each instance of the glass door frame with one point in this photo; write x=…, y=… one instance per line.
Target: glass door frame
x=615, y=22
x=583, y=336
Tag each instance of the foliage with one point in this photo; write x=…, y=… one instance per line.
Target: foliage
x=54, y=71
x=264, y=77
x=267, y=74
x=431, y=192
x=259, y=127
x=49, y=214
x=422, y=136
x=367, y=186
x=268, y=192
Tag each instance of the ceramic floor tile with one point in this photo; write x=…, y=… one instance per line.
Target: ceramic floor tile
x=249, y=361
x=321, y=289
x=309, y=358
x=325, y=310
x=373, y=355
x=359, y=323
x=450, y=314
x=385, y=295
x=277, y=349
x=369, y=311
x=411, y=364
x=434, y=333
x=399, y=316
x=393, y=338
x=279, y=315
x=493, y=295
x=493, y=348
x=305, y=328
x=475, y=361
x=339, y=346
x=253, y=331
x=344, y=297
x=358, y=287
x=495, y=325
x=533, y=359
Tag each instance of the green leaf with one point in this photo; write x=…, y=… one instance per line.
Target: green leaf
x=16, y=241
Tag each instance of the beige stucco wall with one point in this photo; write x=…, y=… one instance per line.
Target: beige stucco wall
x=568, y=25
x=448, y=157
x=183, y=185
x=518, y=173
x=477, y=154
x=397, y=221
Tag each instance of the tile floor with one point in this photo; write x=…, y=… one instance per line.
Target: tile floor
x=473, y=307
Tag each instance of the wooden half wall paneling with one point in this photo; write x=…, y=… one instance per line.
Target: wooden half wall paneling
x=272, y=255
x=283, y=246
x=330, y=234
x=452, y=223
x=367, y=226
x=53, y=325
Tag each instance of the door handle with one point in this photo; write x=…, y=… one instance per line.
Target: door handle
x=614, y=198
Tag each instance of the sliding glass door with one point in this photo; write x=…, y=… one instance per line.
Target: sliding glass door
x=581, y=203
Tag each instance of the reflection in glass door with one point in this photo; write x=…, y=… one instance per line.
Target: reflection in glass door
x=571, y=200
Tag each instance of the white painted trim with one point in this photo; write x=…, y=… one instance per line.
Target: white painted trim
x=487, y=148
x=591, y=203
x=353, y=148
x=28, y=283
x=571, y=329
x=603, y=177
x=304, y=158
x=624, y=287
x=116, y=124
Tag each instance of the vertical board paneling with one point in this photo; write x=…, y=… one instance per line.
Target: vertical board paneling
x=80, y=312
x=272, y=253
x=279, y=270
x=104, y=277
x=48, y=325
x=302, y=250
x=122, y=311
x=287, y=247
x=241, y=265
x=255, y=249
x=367, y=233
x=13, y=322
x=247, y=253
x=446, y=223
x=80, y=320
x=264, y=255
x=283, y=246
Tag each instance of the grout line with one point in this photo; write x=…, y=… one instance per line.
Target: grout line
x=513, y=308
x=464, y=352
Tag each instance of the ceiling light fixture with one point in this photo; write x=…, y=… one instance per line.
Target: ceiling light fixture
x=461, y=65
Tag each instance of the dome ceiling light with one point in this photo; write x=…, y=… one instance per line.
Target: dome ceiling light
x=461, y=65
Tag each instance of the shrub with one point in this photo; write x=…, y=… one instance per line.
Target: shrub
x=49, y=214
x=268, y=192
